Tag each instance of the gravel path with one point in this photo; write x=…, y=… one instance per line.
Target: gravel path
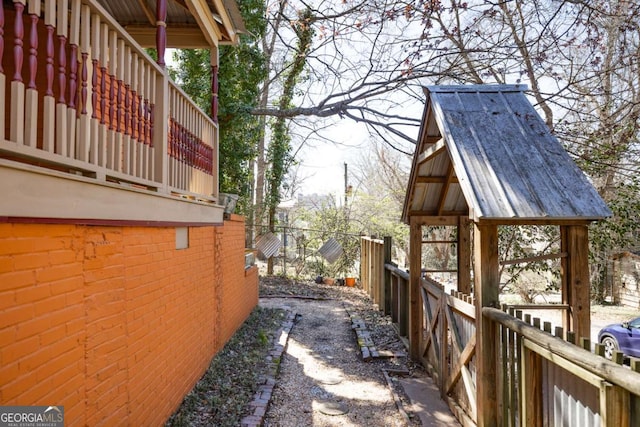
x=323, y=380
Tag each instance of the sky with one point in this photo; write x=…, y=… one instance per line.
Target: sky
x=321, y=168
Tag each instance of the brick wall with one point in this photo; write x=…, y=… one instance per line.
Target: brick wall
x=235, y=289
x=114, y=323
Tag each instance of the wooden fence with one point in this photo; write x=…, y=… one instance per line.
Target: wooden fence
x=386, y=284
x=544, y=375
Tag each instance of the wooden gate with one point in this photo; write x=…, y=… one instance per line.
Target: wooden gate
x=449, y=343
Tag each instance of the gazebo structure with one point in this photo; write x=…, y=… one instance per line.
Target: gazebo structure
x=484, y=158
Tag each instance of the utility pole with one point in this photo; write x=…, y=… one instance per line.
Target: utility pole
x=346, y=189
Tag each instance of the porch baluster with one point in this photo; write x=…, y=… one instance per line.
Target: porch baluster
x=62, y=68
x=111, y=146
x=104, y=96
x=18, y=31
x=17, y=86
x=139, y=124
x=84, y=138
x=74, y=39
x=127, y=114
x=33, y=43
x=134, y=118
x=72, y=112
x=62, y=139
x=49, y=103
x=31, y=101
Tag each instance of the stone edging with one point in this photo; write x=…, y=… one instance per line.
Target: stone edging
x=262, y=397
x=365, y=342
x=396, y=398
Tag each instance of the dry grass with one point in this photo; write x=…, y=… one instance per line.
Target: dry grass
x=222, y=394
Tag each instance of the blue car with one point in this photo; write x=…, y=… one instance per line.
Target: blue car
x=624, y=337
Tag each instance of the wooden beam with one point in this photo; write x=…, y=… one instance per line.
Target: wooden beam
x=451, y=217
x=430, y=152
x=445, y=189
x=201, y=12
x=150, y=14
x=487, y=277
x=578, y=281
x=535, y=221
x=415, y=297
x=534, y=258
x=434, y=220
x=464, y=255
x=435, y=179
x=565, y=289
x=181, y=37
x=226, y=20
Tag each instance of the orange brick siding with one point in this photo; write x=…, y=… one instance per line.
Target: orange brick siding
x=114, y=323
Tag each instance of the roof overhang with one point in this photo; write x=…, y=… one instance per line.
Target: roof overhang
x=189, y=23
x=483, y=151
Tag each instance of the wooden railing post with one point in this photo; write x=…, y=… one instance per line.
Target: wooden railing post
x=487, y=278
x=161, y=132
x=531, y=405
x=576, y=283
x=464, y=255
x=614, y=406
x=415, y=297
x=386, y=294
x=404, y=307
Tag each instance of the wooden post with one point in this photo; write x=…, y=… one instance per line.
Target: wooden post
x=576, y=284
x=464, y=255
x=614, y=406
x=160, y=161
x=415, y=268
x=161, y=30
x=214, y=58
x=62, y=27
x=565, y=289
x=531, y=395
x=386, y=295
x=31, y=96
x=487, y=276
x=16, y=104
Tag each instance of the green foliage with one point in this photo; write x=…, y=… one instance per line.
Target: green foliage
x=532, y=278
x=279, y=152
x=242, y=70
x=331, y=221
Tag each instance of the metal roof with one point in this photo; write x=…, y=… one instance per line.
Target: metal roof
x=484, y=151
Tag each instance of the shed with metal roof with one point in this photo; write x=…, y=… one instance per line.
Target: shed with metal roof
x=484, y=157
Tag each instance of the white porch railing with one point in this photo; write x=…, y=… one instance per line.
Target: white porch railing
x=81, y=96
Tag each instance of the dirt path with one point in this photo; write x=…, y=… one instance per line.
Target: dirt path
x=322, y=372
